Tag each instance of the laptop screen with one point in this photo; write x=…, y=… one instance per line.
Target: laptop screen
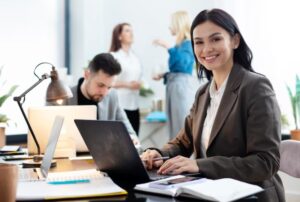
x=112, y=149
x=42, y=118
x=46, y=164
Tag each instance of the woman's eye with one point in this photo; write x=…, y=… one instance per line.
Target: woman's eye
x=198, y=42
x=216, y=39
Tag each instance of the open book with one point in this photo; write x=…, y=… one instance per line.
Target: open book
x=225, y=189
x=66, y=185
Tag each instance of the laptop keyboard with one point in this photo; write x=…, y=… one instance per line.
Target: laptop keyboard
x=27, y=175
x=154, y=176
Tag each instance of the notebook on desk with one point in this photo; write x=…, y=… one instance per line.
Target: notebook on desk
x=113, y=151
x=42, y=190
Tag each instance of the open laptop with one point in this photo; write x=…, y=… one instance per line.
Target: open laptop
x=113, y=150
x=41, y=173
x=42, y=117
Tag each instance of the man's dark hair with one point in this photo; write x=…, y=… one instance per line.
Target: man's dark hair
x=105, y=62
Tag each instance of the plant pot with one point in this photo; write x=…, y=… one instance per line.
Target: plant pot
x=2, y=136
x=295, y=135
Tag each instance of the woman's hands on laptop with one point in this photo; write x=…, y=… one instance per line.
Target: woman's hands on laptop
x=175, y=166
x=149, y=159
x=179, y=165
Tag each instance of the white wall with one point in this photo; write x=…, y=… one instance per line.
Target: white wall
x=31, y=32
x=269, y=27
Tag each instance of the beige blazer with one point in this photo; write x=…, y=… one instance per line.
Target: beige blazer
x=245, y=138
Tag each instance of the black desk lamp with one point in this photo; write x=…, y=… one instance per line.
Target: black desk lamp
x=55, y=91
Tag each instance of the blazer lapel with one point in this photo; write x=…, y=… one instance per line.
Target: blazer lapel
x=203, y=100
x=229, y=98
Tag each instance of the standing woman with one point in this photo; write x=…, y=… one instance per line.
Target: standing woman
x=234, y=125
x=129, y=81
x=179, y=82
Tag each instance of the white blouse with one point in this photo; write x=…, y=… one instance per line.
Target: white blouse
x=131, y=71
x=215, y=99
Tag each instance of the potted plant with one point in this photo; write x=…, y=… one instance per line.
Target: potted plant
x=295, y=101
x=145, y=90
x=3, y=97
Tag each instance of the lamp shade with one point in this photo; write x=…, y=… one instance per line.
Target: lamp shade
x=57, y=89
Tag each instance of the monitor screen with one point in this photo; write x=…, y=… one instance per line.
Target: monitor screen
x=42, y=118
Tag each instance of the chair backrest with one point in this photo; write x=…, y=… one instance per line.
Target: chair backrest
x=290, y=157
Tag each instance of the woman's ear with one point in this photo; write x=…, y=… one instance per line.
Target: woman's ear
x=236, y=41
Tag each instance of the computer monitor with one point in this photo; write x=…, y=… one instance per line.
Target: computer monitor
x=42, y=118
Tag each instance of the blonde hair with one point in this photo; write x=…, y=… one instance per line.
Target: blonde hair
x=180, y=24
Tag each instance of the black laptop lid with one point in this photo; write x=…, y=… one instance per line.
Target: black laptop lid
x=112, y=149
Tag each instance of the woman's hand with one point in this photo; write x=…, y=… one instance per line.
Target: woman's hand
x=147, y=158
x=178, y=165
x=135, y=85
x=135, y=139
x=161, y=43
x=157, y=77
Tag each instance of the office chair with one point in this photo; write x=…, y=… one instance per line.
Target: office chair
x=290, y=157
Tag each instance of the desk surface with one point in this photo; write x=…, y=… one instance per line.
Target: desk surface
x=133, y=196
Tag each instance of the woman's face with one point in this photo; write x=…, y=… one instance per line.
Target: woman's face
x=213, y=46
x=126, y=36
x=172, y=31
x=172, y=26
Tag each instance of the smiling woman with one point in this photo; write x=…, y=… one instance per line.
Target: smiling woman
x=236, y=108
x=213, y=48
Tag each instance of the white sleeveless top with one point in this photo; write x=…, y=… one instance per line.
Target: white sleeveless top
x=131, y=71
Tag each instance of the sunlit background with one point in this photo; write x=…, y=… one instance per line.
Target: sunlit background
x=68, y=33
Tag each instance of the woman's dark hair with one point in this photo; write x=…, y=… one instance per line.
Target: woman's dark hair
x=242, y=55
x=115, y=41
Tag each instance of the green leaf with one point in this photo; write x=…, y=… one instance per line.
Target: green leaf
x=3, y=118
x=4, y=97
x=293, y=103
x=297, y=99
x=145, y=92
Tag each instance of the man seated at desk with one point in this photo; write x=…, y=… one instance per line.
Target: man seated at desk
x=95, y=89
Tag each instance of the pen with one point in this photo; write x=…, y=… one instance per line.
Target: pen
x=69, y=182
x=159, y=158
